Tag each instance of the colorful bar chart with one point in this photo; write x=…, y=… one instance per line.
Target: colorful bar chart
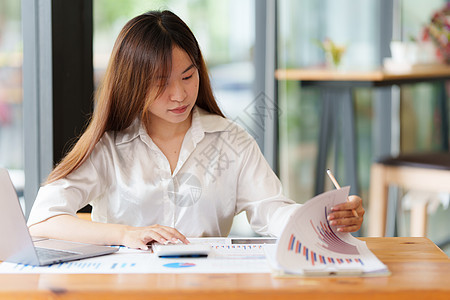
x=330, y=240
x=318, y=259
x=310, y=245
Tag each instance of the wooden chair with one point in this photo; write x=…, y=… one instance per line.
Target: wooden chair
x=428, y=172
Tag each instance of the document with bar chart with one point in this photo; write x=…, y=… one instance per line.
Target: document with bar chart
x=310, y=246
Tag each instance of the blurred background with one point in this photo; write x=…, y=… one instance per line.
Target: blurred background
x=226, y=31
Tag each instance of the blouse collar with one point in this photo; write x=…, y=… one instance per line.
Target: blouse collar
x=202, y=122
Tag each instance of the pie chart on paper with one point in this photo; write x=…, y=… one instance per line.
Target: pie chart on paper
x=179, y=265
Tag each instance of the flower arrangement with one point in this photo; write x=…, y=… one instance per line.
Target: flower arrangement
x=333, y=52
x=438, y=30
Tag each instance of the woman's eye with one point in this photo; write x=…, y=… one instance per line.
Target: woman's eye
x=188, y=77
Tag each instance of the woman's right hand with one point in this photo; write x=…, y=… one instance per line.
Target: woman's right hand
x=71, y=228
x=139, y=237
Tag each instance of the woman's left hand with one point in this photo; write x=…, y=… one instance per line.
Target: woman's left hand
x=342, y=215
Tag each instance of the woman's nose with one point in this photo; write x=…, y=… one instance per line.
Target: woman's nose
x=177, y=91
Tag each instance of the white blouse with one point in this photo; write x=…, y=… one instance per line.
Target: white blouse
x=128, y=180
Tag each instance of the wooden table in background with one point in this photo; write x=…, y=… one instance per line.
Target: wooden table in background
x=337, y=110
x=420, y=270
x=377, y=77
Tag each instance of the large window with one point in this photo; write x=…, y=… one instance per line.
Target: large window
x=225, y=31
x=356, y=24
x=421, y=125
x=302, y=24
x=11, y=120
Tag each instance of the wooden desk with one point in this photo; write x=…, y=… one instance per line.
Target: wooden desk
x=337, y=93
x=374, y=78
x=419, y=269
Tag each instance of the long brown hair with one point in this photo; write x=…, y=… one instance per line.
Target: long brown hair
x=141, y=55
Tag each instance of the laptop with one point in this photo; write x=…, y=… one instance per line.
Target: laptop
x=16, y=243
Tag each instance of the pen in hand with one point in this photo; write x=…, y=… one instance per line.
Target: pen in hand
x=336, y=184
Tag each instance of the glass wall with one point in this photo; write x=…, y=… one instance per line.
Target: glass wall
x=302, y=26
x=11, y=120
x=421, y=125
x=420, y=122
x=225, y=31
x=356, y=25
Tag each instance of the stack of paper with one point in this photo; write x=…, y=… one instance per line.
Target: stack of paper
x=309, y=246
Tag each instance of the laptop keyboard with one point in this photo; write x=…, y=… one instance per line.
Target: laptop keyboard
x=48, y=254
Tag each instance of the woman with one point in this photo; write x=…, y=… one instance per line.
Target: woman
x=159, y=161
